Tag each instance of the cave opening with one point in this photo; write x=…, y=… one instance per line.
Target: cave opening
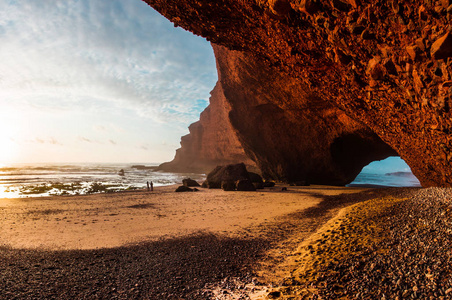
x=390, y=172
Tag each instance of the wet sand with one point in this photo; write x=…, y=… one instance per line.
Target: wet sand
x=162, y=245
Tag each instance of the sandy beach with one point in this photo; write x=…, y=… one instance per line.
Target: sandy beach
x=118, y=219
x=209, y=244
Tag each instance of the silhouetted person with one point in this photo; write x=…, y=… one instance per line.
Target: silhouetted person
x=147, y=182
x=152, y=186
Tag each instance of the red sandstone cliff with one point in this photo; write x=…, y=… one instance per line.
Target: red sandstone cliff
x=211, y=141
x=291, y=134
x=386, y=64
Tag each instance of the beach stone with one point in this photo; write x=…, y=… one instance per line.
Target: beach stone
x=231, y=172
x=183, y=188
x=189, y=182
x=245, y=185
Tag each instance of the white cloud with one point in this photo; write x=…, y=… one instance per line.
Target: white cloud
x=84, y=139
x=103, y=56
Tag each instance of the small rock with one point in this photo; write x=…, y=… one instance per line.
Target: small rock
x=183, y=188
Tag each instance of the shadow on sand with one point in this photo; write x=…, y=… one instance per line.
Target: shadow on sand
x=168, y=269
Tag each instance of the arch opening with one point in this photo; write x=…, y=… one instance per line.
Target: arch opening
x=390, y=172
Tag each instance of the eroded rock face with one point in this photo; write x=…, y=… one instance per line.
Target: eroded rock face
x=387, y=64
x=292, y=134
x=211, y=141
x=304, y=140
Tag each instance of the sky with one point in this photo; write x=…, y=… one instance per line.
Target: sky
x=97, y=81
x=101, y=81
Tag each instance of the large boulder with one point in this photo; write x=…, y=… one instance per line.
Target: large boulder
x=228, y=185
x=189, y=182
x=245, y=185
x=255, y=178
x=226, y=173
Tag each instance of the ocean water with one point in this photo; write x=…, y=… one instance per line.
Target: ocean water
x=30, y=180
x=390, y=179
x=25, y=180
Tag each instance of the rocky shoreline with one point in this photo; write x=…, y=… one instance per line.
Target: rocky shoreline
x=398, y=250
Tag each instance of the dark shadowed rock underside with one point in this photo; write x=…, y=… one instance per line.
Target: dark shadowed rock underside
x=387, y=65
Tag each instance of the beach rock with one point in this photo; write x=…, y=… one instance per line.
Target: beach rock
x=184, y=188
x=269, y=184
x=255, y=178
x=306, y=81
x=226, y=173
x=189, y=182
x=228, y=185
x=245, y=185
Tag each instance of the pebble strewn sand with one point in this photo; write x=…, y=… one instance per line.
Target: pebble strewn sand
x=390, y=248
x=344, y=244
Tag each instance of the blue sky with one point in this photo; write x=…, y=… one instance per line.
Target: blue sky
x=101, y=81
x=388, y=165
x=97, y=81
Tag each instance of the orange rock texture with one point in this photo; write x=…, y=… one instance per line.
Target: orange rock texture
x=293, y=135
x=386, y=64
